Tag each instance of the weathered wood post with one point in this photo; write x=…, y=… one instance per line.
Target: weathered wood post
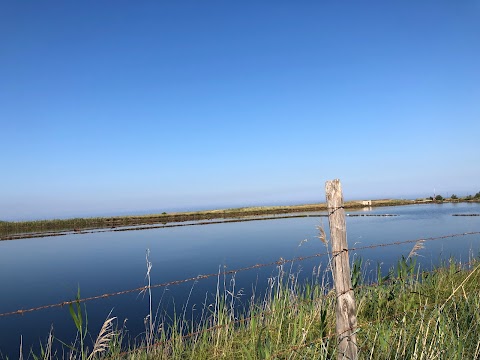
x=346, y=312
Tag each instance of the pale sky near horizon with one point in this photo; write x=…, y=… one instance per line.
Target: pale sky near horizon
x=115, y=107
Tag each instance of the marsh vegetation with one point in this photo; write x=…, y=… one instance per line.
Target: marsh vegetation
x=26, y=229
x=406, y=314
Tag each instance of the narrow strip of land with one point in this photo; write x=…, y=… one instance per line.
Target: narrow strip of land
x=10, y=230
x=148, y=227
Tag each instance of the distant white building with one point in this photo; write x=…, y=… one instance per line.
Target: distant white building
x=366, y=202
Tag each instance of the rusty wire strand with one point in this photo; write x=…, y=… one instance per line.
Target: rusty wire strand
x=228, y=272
x=295, y=347
x=332, y=211
x=388, y=281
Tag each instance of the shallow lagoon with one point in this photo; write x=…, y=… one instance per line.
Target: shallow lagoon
x=41, y=271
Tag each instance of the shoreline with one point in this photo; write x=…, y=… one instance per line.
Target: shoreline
x=40, y=228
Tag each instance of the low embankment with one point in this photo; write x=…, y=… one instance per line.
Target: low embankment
x=18, y=229
x=10, y=230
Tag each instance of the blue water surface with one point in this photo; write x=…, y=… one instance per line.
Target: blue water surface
x=41, y=271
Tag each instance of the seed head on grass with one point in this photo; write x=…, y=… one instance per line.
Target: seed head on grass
x=104, y=337
x=417, y=247
x=302, y=242
x=322, y=235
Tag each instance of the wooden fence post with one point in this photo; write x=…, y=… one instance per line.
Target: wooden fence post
x=346, y=312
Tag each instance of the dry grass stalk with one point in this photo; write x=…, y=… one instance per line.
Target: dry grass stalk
x=323, y=235
x=459, y=287
x=48, y=347
x=417, y=247
x=20, y=356
x=104, y=337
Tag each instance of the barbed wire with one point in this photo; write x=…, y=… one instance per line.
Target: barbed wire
x=388, y=281
x=264, y=314
x=165, y=284
x=433, y=238
x=235, y=322
x=311, y=342
x=229, y=272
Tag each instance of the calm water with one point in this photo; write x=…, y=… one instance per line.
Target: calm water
x=41, y=271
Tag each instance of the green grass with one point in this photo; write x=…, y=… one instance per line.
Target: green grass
x=407, y=314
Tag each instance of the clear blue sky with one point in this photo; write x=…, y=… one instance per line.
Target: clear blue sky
x=114, y=107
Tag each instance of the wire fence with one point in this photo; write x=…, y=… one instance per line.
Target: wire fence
x=231, y=272
x=315, y=341
x=234, y=323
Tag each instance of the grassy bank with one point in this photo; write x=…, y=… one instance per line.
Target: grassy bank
x=77, y=224
x=407, y=314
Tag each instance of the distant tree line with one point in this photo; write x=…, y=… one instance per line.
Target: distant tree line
x=455, y=197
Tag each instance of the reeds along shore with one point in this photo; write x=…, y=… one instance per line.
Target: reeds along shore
x=406, y=314
x=77, y=224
